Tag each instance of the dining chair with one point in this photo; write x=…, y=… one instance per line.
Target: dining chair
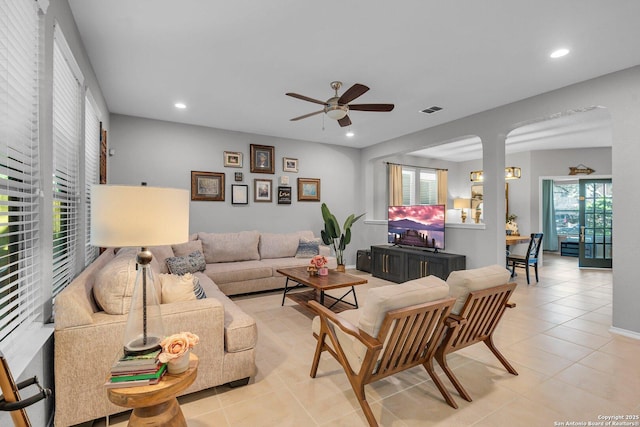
x=529, y=259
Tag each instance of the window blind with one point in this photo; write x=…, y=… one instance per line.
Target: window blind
x=20, y=288
x=67, y=116
x=92, y=170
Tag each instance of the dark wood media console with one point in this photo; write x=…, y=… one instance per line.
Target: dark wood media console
x=402, y=264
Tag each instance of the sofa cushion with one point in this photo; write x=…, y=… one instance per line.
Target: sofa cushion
x=114, y=283
x=186, y=264
x=278, y=245
x=226, y=272
x=229, y=247
x=160, y=253
x=461, y=282
x=177, y=288
x=187, y=248
x=308, y=248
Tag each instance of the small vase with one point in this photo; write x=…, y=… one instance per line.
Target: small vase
x=179, y=365
x=340, y=268
x=323, y=271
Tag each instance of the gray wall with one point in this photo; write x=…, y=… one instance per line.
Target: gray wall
x=164, y=154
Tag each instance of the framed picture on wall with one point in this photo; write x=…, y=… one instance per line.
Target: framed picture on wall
x=284, y=195
x=239, y=194
x=262, y=158
x=233, y=159
x=262, y=190
x=308, y=189
x=207, y=186
x=238, y=176
x=289, y=164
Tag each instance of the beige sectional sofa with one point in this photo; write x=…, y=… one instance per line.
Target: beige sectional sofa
x=88, y=339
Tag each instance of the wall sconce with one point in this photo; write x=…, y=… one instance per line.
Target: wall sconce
x=463, y=205
x=510, y=172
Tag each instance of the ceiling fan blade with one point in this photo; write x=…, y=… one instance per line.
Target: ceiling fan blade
x=306, y=115
x=371, y=107
x=352, y=93
x=345, y=121
x=305, y=98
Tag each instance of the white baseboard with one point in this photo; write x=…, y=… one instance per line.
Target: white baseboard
x=625, y=333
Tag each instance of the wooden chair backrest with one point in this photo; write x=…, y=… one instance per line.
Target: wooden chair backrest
x=10, y=393
x=482, y=311
x=410, y=336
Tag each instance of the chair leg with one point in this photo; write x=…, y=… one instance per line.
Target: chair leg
x=442, y=361
x=501, y=358
x=513, y=269
x=527, y=268
x=536, y=267
x=316, y=356
x=438, y=382
x=362, y=400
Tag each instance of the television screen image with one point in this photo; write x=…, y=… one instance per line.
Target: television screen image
x=417, y=225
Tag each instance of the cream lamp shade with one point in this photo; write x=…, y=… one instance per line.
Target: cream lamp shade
x=138, y=216
x=461, y=203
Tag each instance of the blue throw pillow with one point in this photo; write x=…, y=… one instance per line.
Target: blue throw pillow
x=186, y=264
x=308, y=248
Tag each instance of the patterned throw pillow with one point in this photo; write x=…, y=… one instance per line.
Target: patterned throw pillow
x=308, y=248
x=197, y=289
x=186, y=264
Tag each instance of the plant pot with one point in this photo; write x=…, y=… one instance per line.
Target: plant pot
x=340, y=268
x=179, y=365
x=323, y=271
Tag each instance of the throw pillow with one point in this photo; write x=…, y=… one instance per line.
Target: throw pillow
x=187, y=248
x=177, y=288
x=197, y=289
x=308, y=248
x=186, y=264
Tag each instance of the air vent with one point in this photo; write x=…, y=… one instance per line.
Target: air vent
x=431, y=110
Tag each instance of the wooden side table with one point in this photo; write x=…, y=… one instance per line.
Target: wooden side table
x=156, y=405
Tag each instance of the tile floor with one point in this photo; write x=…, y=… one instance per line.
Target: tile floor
x=571, y=368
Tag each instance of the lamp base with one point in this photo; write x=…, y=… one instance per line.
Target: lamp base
x=137, y=346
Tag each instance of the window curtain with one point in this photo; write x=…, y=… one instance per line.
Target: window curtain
x=550, y=240
x=442, y=186
x=395, y=184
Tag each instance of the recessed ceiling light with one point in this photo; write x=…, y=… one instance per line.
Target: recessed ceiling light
x=350, y=134
x=559, y=53
x=180, y=105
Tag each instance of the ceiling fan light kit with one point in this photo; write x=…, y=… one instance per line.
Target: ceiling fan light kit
x=337, y=107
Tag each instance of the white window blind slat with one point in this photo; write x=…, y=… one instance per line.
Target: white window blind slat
x=92, y=170
x=20, y=289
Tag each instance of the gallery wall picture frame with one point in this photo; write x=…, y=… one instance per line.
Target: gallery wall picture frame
x=284, y=195
x=262, y=158
x=289, y=164
x=238, y=176
x=308, y=189
x=262, y=190
x=239, y=194
x=233, y=159
x=207, y=186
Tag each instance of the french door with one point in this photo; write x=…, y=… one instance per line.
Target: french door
x=596, y=221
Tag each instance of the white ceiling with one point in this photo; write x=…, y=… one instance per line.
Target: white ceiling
x=232, y=62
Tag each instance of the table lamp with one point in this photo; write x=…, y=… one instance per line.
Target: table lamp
x=462, y=204
x=140, y=216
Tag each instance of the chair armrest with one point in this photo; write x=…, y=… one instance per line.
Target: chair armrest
x=454, y=320
x=346, y=326
x=510, y=304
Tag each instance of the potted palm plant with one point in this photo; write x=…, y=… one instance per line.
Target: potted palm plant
x=332, y=235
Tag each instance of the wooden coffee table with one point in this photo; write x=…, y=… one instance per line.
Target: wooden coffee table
x=333, y=280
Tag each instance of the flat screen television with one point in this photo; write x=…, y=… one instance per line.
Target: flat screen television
x=417, y=225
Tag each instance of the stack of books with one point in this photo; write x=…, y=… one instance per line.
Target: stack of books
x=138, y=370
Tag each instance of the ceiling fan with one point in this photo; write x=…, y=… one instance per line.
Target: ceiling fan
x=337, y=107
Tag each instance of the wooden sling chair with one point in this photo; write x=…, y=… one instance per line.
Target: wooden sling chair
x=10, y=398
x=476, y=322
x=385, y=336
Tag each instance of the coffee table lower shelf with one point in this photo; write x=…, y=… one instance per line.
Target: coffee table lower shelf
x=336, y=304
